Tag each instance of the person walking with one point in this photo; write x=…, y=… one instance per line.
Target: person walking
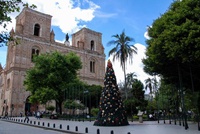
x=26, y=116
x=38, y=114
x=21, y=114
x=6, y=115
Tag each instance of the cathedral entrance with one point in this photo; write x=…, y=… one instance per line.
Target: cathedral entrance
x=30, y=107
x=27, y=106
x=4, y=110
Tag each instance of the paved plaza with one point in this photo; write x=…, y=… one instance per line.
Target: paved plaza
x=80, y=127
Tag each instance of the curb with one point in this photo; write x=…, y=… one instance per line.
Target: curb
x=43, y=127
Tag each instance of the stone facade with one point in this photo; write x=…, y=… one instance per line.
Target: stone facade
x=34, y=34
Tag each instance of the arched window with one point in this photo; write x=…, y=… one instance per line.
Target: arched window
x=78, y=44
x=37, y=30
x=92, y=66
x=35, y=52
x=92, y=45
x=8, y=83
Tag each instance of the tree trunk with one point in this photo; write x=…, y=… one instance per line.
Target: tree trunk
x=59, y=107
x=125, y=87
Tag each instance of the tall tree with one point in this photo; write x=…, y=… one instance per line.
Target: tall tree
x=136, y=99
x=151, y=84
x=174, y=46
x=138, y=94
x=7, y=7
x=130, y=78
x=122, y=51
x=52, y=74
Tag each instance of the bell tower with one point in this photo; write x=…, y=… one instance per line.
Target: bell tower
x=32, y=23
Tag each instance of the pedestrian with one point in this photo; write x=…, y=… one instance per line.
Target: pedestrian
x=26, y=116
x=38, y=114
x=34, y=114
x=6, y=115
x=20, y=114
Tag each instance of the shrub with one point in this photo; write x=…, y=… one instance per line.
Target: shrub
x=50, y=108
x=94, y=111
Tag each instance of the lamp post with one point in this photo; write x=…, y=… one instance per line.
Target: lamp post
x=157, y=98
x=89, y=106
x=85, y=92
x=131, y=112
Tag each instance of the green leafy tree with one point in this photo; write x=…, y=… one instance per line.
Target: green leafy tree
x=131, y=106
x=136, y=99
x=51, y=75
x=7, y=7
x=86, y=94
x=138, y=94
x=92, y=95
x=122, y=51
x=168, y=98
x=174, y=45
x=73, y=104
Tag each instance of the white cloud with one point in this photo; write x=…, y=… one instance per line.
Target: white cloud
x=66, y=14
x=136, y=66
x=103, y=15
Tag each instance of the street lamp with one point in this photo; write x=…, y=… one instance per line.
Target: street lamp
x=85, y=92
x=158, y=112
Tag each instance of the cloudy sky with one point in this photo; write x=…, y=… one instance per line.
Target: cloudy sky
x=108, y=17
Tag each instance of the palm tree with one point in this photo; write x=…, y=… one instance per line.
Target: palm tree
x=151, y=84
x=155, y=84
x=130, y=79
x=122, y=51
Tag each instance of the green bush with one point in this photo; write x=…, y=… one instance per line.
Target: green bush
x=50, y=108
x=145, y=117
x=94, y=111
x=135, y=117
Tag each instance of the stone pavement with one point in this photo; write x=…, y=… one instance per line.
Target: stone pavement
x=80, y=127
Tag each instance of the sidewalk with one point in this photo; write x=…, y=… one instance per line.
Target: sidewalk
x=80, y=127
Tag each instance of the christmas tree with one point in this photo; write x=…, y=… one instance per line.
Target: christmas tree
x=111, y=109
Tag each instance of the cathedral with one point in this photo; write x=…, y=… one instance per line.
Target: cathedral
x=34, y=34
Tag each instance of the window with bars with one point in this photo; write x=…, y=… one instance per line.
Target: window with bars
x=92, y=45
x=37, y=30
x=92, y=66
x=8, y=83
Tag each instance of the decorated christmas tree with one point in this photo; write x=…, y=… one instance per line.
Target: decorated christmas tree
x=111, y=109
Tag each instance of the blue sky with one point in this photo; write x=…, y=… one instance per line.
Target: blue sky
x=108, y=17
